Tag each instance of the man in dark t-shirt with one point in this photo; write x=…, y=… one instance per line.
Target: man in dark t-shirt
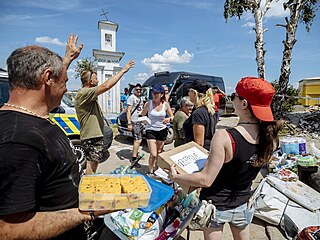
x=38, y=169
x=39, y=175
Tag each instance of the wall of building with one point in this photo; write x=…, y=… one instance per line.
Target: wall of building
x=309, y=91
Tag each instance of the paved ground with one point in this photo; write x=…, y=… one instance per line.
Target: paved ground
x=120, y=153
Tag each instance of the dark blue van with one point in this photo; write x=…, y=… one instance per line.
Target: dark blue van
x=178, y=85
x=4, y=87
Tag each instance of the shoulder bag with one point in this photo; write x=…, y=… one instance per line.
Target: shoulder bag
x=123, y=117
x=202, y=218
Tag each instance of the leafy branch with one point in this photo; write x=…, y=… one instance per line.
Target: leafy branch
x=84, y=65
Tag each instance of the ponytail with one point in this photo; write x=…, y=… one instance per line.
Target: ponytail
x=268, y=141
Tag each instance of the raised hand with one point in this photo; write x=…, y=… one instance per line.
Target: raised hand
x=72, y=51
x=129, y=65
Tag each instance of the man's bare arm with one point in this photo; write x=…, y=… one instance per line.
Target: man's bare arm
x=41, y=225
x=108, y=84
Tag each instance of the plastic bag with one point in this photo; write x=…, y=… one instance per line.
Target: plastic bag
x=287, y=175
x=202, y=219
x=140, y=225
x=314, y=150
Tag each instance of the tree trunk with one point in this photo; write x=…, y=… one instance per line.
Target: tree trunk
x=288, y=44
x=260, y=52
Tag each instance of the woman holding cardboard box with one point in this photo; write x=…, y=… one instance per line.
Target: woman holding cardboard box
x=236, y=157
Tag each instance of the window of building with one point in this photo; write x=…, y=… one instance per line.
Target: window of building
x=108, y=39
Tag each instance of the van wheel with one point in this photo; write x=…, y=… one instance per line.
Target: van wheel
x=79, y=152
x=170, y=136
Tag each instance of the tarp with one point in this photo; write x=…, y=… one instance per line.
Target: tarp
x=293, y=206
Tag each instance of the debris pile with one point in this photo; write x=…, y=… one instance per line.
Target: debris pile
x=303, y=122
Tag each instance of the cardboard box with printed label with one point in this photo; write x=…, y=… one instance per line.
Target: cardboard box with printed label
x=188, y=158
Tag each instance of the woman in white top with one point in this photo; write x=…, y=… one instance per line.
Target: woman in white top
x=160, y=114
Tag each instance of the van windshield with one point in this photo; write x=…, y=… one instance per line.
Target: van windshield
x=68, y=100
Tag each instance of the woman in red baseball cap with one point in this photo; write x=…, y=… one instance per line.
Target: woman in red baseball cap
x=236, y=157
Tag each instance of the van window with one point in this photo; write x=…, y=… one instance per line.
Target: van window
x=4, y=90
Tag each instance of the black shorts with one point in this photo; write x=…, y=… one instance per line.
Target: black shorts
x=157, y=135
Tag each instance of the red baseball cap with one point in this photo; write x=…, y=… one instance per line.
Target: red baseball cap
x=258, y=92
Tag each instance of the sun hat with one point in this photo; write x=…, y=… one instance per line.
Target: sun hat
x=258, y=92
x=158, y=88
x=200, y=86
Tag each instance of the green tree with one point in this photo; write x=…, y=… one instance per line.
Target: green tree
x=289, y=99
x=235, y=8
x=301, y=11
x=84, y=65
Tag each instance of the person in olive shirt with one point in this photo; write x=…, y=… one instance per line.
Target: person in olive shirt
x=90, y=114
x=180, y=117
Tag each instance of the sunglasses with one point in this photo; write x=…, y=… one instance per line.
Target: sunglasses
x=233, y=96
x=138, y=89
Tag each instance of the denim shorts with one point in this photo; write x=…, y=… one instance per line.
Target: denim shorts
x=239, y=217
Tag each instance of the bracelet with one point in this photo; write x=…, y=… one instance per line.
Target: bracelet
x=93, y=217
x=129, y=123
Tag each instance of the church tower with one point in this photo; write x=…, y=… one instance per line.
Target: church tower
x=108, y=60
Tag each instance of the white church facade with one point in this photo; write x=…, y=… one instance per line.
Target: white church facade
x=108, y=65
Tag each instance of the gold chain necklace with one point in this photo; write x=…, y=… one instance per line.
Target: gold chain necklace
x=28, y=111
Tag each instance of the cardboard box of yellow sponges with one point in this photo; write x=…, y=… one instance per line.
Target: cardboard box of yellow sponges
x=188, y=158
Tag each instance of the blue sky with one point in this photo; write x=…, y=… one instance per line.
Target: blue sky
x=175, y=35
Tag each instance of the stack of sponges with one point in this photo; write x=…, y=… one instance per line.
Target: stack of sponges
x=133, y=184
x=113, y=192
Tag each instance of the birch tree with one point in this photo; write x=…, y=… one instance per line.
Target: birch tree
x=235, y=8
x=301, y=11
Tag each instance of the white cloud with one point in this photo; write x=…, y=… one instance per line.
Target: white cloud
x=276, y=9
x=164, y=61
x=203, y=5
x=14, y=17
x=141, y=76
x=46, y=39
x=71, y=71
x=248, y=24
x=45, y=4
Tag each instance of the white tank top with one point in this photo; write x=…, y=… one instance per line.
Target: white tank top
x=156, y=118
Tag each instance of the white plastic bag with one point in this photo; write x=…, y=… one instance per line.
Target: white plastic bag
x=314, y=150
x=140, y=225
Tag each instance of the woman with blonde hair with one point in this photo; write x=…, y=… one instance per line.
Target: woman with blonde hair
x=235, y=158
x=201, y=125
